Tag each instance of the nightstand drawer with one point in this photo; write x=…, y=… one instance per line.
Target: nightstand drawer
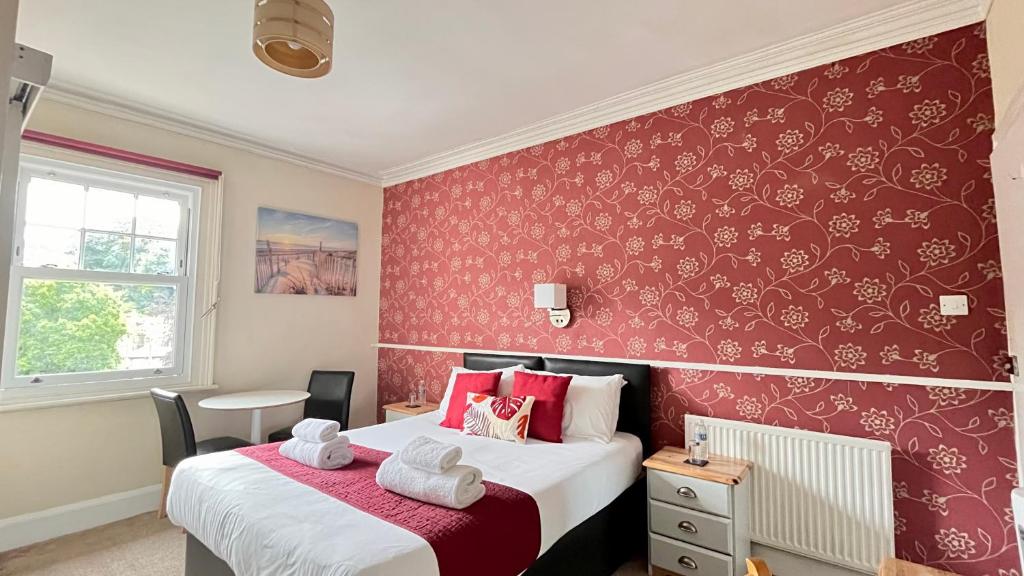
x=691, y=526
x=680, y=558
x=688, y=492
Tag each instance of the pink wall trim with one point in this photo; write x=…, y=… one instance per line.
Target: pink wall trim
x=119, y=154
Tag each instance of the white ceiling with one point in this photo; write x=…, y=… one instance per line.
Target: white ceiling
x=411, y=78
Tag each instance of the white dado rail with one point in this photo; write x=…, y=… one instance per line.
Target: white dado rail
x=825, y=374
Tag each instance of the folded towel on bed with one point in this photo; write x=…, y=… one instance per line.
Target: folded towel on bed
x=458, y=487
x=316, y=430
x=324, y=455
x=430, y=455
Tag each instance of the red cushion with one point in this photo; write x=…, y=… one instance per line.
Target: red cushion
x=549, y=391
x=476, y=382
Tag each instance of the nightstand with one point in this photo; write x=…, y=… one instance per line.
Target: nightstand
x=698, y=517
x=399, y=410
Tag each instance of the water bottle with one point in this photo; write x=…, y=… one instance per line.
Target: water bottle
x=699, y=452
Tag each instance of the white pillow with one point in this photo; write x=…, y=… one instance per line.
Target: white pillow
x=507, y=377
x=591, y=405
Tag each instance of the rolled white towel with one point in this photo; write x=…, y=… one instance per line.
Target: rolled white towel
x=324, y=455
x=316, y=430
x=458, y=487
x=430, y=455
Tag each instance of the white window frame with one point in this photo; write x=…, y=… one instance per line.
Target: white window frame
x=196, y=281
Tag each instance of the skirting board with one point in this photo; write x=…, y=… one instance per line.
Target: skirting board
x=782, y=562
x=18, y=531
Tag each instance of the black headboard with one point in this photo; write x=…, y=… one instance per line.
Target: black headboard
x=634, y=403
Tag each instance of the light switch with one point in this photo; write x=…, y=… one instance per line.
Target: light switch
x=953, y=305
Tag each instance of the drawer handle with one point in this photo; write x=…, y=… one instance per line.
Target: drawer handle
x=687, y=562
x=687, y=526
x=686, y=492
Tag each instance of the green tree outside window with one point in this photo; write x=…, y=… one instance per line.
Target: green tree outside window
x=69, y=327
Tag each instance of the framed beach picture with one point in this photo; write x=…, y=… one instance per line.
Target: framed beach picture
x=303, y=254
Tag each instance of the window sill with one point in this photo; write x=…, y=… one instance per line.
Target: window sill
x=16, y=405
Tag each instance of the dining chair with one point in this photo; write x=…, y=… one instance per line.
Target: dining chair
x=330, y=394
x=178, y=439
x=757, y=567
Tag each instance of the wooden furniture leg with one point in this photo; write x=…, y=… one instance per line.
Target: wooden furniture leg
x=162, y=511
x=757, y=567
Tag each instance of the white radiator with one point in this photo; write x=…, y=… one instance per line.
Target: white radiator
x=819, y=495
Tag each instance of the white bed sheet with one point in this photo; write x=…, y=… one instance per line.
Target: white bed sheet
x=261, y=522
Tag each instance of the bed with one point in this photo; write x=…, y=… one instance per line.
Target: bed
x=244, y=518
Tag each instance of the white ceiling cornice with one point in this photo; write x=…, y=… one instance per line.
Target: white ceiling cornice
x=900, y=23
x=151, y=116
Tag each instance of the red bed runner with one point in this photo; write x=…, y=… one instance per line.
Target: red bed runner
x=499, y=534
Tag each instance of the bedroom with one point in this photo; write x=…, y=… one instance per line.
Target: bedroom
x=795, y=231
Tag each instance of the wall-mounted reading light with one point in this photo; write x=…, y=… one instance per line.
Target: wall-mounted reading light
x=552, y=297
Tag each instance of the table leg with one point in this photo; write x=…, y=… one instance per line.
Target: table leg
x=256, y=427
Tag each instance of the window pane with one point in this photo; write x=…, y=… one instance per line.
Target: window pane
x=54, y=203
x=91, y=327
x=157, y=217
x=50, y=247
x=109, y=210
x=109, y=252
x=154, y=256
x=150, y=315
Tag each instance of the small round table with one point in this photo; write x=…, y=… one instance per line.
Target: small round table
x=255, y=401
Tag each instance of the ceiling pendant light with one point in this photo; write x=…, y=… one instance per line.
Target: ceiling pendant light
x=295, y=37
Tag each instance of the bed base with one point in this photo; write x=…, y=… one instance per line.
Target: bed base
x=603, y=542
x=597, y=547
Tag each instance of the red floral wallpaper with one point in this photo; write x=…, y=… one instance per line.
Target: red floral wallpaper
x=811, y=221
x=806, y=222
x=953, y=448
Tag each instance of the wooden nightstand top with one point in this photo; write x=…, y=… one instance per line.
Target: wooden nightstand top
x=401, y=408
x=721, y=469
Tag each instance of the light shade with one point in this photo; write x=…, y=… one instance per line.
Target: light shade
x=551, y=296
x=294, y=36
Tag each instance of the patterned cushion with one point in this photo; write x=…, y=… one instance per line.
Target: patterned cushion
x=500, y=417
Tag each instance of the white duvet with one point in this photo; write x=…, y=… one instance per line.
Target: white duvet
x=263, y=523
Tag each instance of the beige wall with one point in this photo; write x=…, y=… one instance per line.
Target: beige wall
x=1006, y=52
x=57, y=456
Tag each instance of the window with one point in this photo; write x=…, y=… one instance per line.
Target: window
x=102, y=283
